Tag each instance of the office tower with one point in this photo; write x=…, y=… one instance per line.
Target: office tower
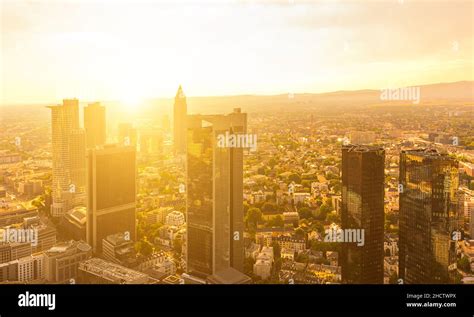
x=127, y=134
x=94, y=124
x=215, y=198
x=111, y=193
x=428, y=215
x=179, y=122
x=68, y=142
x=363, y=209
x=77, y=148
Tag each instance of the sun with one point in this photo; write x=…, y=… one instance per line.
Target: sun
x=131, y=100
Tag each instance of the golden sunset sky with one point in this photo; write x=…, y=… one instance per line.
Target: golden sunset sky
x=129, y=50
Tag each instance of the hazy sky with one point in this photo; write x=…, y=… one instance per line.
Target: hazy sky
x=127, y=50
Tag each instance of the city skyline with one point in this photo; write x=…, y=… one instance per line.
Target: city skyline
x=285, y=150
x=370, y=181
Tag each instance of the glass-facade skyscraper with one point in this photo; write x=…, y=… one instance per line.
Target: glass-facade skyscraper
x=214, y=196
x=363, y=209
x=428, y=216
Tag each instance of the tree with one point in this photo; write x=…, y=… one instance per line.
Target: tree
x=276, y=221
x=302, y=257
x=268, y=207
x=144, y=247
x=253, y=217
x=325, y=208
x=317, y=226
x=299, y=233
x=305, y=213
x=332, y=217
x=246, y=207
x=325, y=246
x=272, y=162
x=248, y=265
x=464, y=265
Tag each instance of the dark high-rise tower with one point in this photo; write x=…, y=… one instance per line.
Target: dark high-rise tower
x=179, y=121
x=428, y=215
x=363, y=209
x=94, y=124
x=215, y=197
x=111, y=189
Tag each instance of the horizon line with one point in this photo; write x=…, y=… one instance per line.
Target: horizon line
x=233, y=95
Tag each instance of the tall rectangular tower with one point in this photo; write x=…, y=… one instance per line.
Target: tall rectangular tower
x=94, y=124
x=363, y=209
x=68, y=149
x=111, y=188
x=214, y=195
x=428, y=215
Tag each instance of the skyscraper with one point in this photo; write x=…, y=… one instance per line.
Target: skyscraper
x=215, y=198
x=363, y=209
x=179, y=121
x=94, y=124
x=68, y=148
x=111, y=193
x=428, y=215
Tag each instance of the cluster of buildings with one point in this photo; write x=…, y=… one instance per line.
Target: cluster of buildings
x=131, y=213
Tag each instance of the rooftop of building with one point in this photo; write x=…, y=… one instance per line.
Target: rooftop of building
x=78, y=214
x=228, y=276
x=427, y=152
x=111, y=271
x=118, y=239
x=67, y=246
x=362, y=148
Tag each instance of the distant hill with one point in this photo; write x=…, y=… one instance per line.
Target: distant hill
x=462, y=91
x=448, y=93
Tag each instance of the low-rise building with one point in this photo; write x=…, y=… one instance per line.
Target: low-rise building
x=98, y=271
x=62, y=260
x=175, y=218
